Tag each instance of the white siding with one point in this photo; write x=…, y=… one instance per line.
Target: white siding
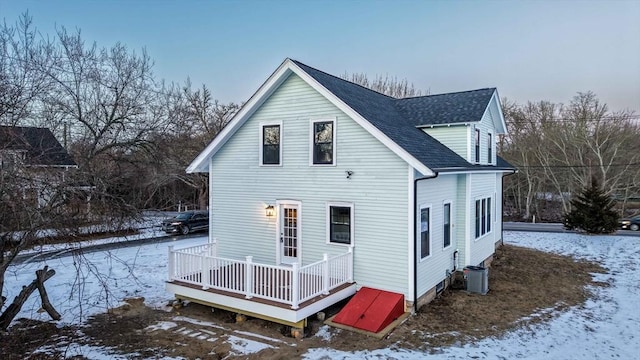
x=435, y=192
x=454, y=137
x=240, y=190
x=483, y=186
x=463, y=231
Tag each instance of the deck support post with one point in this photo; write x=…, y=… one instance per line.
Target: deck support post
x=295, y=284
x=325, y=274
x=172, y=263
x=248, y=278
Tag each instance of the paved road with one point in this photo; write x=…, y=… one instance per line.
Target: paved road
x=51, y=254
x=555, y=228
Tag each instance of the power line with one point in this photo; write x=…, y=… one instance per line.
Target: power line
x=603, y=118
x=574, y=166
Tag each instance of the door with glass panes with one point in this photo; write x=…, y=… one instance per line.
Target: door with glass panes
x=289, y=233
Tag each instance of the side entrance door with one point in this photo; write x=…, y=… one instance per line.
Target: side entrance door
x=289, y=233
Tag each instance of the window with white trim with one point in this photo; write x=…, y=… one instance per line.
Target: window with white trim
x=425, y=232
x=489, y=148
x=488, y=214
x=483, y=216
x=323, y=142
x=270, y=144
x=340, y=223
x=477, y=145
x=446, y=225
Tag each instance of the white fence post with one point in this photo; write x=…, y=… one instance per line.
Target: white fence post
x=325, y=274
x=172, y=263
x=248, y=277
x=295, y=286
x=350, y=266
x=206, y=272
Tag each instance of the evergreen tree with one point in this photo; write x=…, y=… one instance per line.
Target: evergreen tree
x=592, y=211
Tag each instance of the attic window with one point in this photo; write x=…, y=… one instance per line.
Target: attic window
x=323, y=142
x=489, y=149
x=477, y=148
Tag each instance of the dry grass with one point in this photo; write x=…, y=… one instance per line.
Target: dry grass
x=522, y=282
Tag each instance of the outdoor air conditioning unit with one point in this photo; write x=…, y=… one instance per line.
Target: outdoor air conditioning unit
x=476, y=279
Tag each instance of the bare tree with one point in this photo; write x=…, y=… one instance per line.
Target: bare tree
x=25, y=57
x=195, y=120
x=558, y=149
x=391, y=86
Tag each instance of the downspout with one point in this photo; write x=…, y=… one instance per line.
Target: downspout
x=415, y=238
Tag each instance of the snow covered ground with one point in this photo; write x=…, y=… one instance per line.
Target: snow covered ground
x=607, y=326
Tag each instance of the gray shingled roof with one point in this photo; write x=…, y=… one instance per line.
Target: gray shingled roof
x=41, y=146
x=451, y=108
x=398, y=118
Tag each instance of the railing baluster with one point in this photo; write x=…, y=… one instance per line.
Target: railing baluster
x=291, y=285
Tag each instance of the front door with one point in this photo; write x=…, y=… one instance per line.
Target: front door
x=289, y=233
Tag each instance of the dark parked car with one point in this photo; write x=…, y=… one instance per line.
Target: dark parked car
x=631, y=224
x=186, y=222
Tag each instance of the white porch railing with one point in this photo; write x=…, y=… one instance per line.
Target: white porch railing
x=291, y=285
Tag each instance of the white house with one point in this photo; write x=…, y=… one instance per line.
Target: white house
x=319, y=186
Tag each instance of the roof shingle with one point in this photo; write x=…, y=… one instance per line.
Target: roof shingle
x=41, y=146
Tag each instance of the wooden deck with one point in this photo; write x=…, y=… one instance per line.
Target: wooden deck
x=280, y=293
x=265, y=301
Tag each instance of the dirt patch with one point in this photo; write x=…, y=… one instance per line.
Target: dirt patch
x=526, y=287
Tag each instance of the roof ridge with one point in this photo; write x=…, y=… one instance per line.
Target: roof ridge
x=341, y=79
x=447, y=93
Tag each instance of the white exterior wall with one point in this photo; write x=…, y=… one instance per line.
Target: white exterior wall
x=454, y=137
x=435, y=193
x=240, y=190
x=483, y=186
x=487, y=125
x=463, y=233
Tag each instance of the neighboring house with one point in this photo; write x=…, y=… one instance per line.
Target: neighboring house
x=319, y=186
x=35, y=157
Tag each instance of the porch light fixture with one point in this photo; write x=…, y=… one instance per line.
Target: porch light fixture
x=270, y=210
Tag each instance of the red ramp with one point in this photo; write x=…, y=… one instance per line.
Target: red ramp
x=371, y=310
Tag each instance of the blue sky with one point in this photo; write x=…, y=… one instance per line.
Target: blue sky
x=529, y=50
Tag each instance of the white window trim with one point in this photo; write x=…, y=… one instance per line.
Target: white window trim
x=477, y=150
x=279, y=203
x=260, y=143
x=445, y=202
x=490, y=161
x=311, y=140
x=489, y=219
x=419, y=238
x=475, y=214
x=328, y=222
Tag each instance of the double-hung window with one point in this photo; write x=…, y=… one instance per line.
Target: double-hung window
x=425, y=232
x=270, y=147
x=489, y=148
x=477, y=145
x=446, y=231
x=323, y=144
x=483, y=216
x=340, y=223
